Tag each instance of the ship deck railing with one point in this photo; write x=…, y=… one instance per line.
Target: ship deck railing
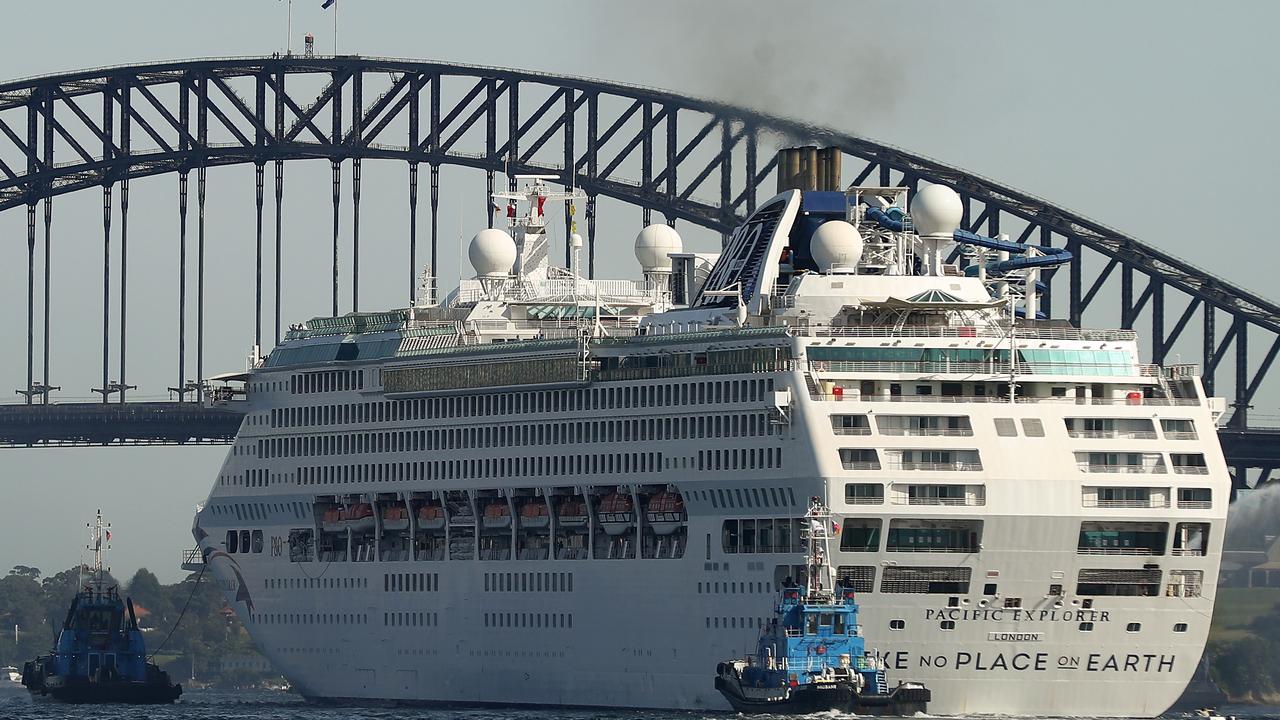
x=1113, y=434
x=971, y=331
x=1025, y=370
x=966, y=399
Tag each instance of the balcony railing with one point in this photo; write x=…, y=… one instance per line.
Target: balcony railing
x=851, y=430
x=1123, y=469
x=1181, y=435
x=927, y=432
x=1195, y=504
x=956, y=465
x=864, y=500
x=1190, y=470
x=932, y=548
x=994, y=368
x=1149, y=503
x=1117, y=551
x=950, y=501
x=861, y=464
x=1113, y=434
x=1187, y=552
x=965, y=399
x=1023, y=333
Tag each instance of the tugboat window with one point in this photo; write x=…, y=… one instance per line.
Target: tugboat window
x=825, y=619
x=811, y=625
x=838, y=627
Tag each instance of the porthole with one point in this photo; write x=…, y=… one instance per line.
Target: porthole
x=897, y=624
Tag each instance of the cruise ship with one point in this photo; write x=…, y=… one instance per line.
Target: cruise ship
x=545, y=489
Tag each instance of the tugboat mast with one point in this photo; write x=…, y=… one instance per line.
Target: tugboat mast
x=99, y=543
x=819, y=581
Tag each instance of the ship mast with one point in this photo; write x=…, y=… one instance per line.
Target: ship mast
x=819, y=581
x=99, y=543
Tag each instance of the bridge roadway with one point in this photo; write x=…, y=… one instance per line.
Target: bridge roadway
x=189, y=423
x=132, y=423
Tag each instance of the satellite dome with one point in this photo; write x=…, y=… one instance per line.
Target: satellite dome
x=936, y=210
x=492, y=253
x=836, y=245
x=652, y=245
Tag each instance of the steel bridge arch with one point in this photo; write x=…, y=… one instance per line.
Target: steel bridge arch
x=653, y=149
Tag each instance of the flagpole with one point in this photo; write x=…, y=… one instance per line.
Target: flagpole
x=288, y=38
x=335, y=28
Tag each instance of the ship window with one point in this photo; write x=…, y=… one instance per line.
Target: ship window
x=811, y=624
x=1005, y=427
x=244, y=541
x=1086, y=627
x=1033, y=427
x=897, y=624
x=1180, y=627
x=826, y=619
x=257, y=541
x=1013, y=602
x=1133, y=627
x=989, y=589
x=231, y=543
x=948, y=624
x=838, y=627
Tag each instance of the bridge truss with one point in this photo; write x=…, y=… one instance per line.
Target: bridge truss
x=689, y=160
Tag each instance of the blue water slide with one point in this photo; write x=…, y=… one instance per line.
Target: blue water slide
x=894, y=219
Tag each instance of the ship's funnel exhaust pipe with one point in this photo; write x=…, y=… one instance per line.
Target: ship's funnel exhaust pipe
x=809, y=168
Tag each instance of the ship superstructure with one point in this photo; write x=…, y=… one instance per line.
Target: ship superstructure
x=575, y=485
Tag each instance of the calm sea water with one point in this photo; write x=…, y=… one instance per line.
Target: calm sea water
x=255, y=705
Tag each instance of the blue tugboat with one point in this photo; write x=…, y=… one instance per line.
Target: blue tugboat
x=99, y=656
x=811, y=657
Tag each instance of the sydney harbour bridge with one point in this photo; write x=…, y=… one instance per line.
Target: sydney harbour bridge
x=678, y=159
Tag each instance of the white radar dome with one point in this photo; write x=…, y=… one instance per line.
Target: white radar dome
x=492, y=253
x=936, y=210
x=836, y=245
x=652, y=245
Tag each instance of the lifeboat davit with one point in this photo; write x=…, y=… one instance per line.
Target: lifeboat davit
x=571, y=513
x=430, y=517
x=331, y=521
x=359, y=517
x=533, y=514
x=616, y=514
x=665, y=513
x=395, y=518
x=497, y=515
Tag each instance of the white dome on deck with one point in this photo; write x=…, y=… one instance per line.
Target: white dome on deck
x=654, y=243
x=936, y=210
x=492, y=253
x=836, y=245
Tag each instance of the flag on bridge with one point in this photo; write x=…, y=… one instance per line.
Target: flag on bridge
x=327, y=3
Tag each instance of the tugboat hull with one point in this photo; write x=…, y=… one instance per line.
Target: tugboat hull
x=82, y=691
x=823, y=697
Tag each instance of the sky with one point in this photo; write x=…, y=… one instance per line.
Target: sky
x=1156, y=118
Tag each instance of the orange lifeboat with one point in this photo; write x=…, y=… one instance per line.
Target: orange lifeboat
x=359, y=517
x=571, y=513
x=331, y=521
x=497, y=515
x=395, y=517
x=430, y=517
x=533, y=514
x=665, y=513
x=616, y=514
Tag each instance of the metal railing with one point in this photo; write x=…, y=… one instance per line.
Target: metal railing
x=956, y=465
x=1028, y=370
x=1135, y=551
x=965, y=399
x=1149, y=503
x=970, y=331
x=927, y=432
x=1124, y=469
x=1181, y=435
x=977, y=500
x=851, y=430
x=1195, y=504
x=861, y=464
x=1190, y=470
x=1113, y=434
x=863, y=500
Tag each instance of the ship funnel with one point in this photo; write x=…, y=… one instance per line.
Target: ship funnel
x=809, y=168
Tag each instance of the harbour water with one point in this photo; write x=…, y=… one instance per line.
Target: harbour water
x=264, y=705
